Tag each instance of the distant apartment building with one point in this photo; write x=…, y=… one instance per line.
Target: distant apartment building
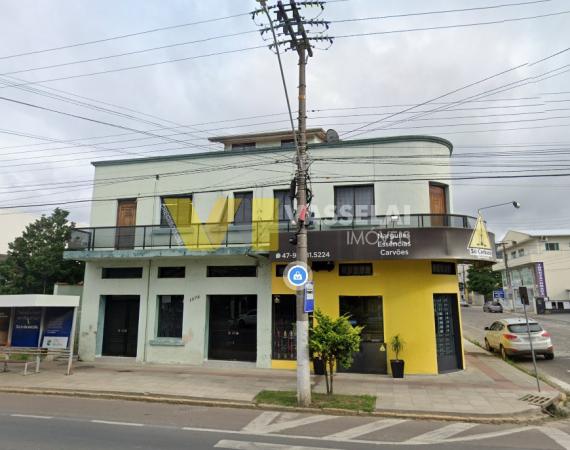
x=539, y=260
x=185, y=254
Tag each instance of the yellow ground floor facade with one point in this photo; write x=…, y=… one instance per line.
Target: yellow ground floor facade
x=407, y=291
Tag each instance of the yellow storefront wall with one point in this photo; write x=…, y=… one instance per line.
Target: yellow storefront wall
x=406, y=288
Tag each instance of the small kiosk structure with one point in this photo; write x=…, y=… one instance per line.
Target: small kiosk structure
x=39, y=325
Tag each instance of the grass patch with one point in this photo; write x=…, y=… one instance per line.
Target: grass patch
x=365, y=403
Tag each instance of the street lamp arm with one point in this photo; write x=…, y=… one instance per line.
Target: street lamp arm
x=516, y=204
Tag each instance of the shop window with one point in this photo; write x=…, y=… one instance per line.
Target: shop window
x=172, y=272
x=317, y=266
x=354, y=201
x=231, y=271
x=170, y=312
x=280, y=270
x=366, y=312
x=284, y=331
x=121, y=272
x=176, y=210
x=443, y=268
x=243, y=201
x=552, y=246
x=357, y=269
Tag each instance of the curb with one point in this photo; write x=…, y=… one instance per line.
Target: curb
x=528, y=417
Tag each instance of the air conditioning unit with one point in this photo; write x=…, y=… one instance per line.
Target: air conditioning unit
x=543, y=239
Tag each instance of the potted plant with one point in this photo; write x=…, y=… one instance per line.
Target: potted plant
x=397, y=365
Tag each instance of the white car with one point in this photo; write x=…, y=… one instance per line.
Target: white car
x=510, y=338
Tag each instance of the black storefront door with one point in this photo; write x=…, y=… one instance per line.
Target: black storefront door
x=447, y=332
x=121, y=325
x=233, y=327
x=366, y=312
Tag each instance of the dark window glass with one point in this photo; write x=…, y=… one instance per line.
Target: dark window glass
x=366, y=312
x=176, y=210
x=171, y=272
x=284, y=318
x=232, y=271
x=357, y=269
x=552, y=246
x=287, y=143
x=443, y=268
x=242, y=201
x=280, y=270
x=521, y=328
x=283, y=201
x=243, y=145
x=322, y=265
x=170, y=311
x=121, y=272
x=354, y=201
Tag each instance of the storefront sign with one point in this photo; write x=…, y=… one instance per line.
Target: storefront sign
x=58, y=323
x=26, y=327
x=540, y=279
x=4, y=325
x=309, y=305
x=375, y=244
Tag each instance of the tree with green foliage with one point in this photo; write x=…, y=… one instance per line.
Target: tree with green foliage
x=35, y=260
x=483, y=280
x=334, y=341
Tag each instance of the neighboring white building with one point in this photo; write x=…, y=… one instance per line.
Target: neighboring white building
x=12, y=224
x=156, y=289
x=538, y=259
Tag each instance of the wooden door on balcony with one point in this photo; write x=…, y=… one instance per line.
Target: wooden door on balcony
x=126, y=222
x=437, y=204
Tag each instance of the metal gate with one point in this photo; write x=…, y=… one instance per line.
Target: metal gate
x=447, y=332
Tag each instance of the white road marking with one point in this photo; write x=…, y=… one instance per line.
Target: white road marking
x=440, y=434
x=262, y=424
x=558, y=436
x=364, y=429
x=30, y=416
x=493, y=434
x=123, y=424
x=249, y=445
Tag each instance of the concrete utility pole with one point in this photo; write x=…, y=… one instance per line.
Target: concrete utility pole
x=296, y=37
x=508, y=273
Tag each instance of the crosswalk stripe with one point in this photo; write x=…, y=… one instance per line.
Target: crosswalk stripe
x=441, y=433
x=249, y=445
x=351, y=433
x=558, y=436
x=262, y=424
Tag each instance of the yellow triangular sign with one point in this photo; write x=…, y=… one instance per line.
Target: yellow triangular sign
x=480, y=237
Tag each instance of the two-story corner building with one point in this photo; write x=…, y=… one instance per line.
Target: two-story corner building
x=539, y=260
x=185, y=254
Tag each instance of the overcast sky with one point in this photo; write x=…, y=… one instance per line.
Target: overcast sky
x=400, y=68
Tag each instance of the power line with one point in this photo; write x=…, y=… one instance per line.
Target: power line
x=122, y=36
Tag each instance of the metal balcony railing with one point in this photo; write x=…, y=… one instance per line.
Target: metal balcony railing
x=213, y=235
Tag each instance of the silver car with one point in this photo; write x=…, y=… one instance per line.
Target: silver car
x=510, y=338
x=493, y=307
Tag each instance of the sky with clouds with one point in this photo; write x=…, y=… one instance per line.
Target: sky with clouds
x=521, y=129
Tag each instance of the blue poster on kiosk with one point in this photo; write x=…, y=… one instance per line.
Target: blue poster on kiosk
x=57, y=327
x=26, y=331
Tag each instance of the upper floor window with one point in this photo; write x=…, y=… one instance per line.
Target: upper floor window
x=513, y=255
x=176, y=210
x=355, y=269
x=283, y=201
x=521, y=252
x=287, y=143
x=243, y=145
x=443, y=268
x=172, y=272
x=552, y=246
x=121, y=272
x=242, y=204
x=354, y=201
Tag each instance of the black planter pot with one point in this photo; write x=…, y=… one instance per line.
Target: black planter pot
x=319, y=366
x=397, y=366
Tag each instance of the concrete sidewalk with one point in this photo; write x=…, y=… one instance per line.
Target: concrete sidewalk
x=487, y=388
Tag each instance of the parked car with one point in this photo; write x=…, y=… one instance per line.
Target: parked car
x=493, y=307
x=510, y=338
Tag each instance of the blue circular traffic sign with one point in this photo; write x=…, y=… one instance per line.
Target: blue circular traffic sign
x=297, y=275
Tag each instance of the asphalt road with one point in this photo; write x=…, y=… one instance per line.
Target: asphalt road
x=475, y=320
x=48, y=422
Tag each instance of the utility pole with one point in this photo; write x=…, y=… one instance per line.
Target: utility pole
x=297, y=39
x=508, y=273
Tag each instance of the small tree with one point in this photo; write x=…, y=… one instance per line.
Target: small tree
x=35, y=260
x=334, y=341
x=483, y=280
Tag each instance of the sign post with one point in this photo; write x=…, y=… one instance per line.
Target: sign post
x=523, y=292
